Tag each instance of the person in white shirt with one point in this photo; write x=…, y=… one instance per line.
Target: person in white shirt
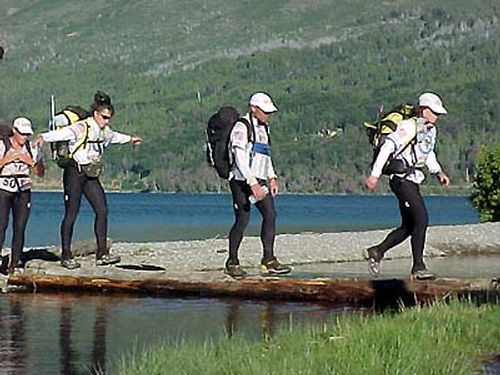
x=412, y=144
x=17, y=160
x=87, y=140
x=252, y=179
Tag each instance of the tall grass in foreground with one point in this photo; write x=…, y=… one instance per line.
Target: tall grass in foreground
x=438, y=339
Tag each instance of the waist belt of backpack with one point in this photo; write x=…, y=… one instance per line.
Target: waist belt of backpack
x=413, y=168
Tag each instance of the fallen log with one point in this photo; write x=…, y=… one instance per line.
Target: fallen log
x=343, y=291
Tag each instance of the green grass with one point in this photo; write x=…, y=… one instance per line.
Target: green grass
x=438, y=339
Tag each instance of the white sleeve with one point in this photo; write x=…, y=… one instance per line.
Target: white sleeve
x=432, y=163
x=388, y=147
x=239, y=142
x=120, y=138
x=67, y=133
x=242, y=162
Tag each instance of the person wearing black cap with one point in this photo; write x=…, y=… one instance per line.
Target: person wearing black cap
x=413, y=144
x=87, y=140
x=252, y=180
x=17, y=160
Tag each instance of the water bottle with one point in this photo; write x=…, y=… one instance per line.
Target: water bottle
x=252, y=198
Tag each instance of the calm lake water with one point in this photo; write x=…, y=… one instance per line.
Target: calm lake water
x=71, y=334
x=143, y=217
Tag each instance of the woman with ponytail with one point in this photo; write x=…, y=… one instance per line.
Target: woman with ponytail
x=87, y=140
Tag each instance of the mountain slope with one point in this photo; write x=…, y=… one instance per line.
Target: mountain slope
x=328, y=65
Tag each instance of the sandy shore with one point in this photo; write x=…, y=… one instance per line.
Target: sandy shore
x=187, y=263
x=308, y=248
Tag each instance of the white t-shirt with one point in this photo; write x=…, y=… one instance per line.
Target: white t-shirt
x=250, y=165
x=15, y=184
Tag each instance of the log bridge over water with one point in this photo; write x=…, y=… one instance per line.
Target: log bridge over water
x=207, y=284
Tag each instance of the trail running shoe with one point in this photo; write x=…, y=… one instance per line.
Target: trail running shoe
x=423, y=274
x=373, y=257
x=274, y=267
x=70, y=264
x=107, y=259
x=235, y=271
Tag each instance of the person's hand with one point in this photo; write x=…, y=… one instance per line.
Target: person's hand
x=258, y=192
x=273, y=186
x=371, y=182
x=39, y=141
x=27, y=159
x=135, y=140
x=443, y=179
x=12, y=156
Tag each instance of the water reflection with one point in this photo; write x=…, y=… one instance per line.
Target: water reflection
x=267, y=318
x=68, y=356
x=99, y=348
x=89, y=334
x=13, y=353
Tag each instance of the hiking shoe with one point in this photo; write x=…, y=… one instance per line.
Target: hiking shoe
x=107, y=259
x=274, y=267
x=235, y=271
x=373, y=257
x=70, y=264
x=423, y=274
x=16, y=270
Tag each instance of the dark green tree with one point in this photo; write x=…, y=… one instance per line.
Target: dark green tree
x=486, y=195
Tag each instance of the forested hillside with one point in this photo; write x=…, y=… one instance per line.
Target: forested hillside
x=328, y=65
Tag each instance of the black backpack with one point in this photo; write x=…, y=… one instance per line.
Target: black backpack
x=386, y=124
x=218, y=131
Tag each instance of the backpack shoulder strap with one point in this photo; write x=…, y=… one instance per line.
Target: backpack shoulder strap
x=7, y=144
x=250, y=129
x=83, y=140
x=28, y=147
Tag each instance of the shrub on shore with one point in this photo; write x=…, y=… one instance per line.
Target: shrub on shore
x=486, y=195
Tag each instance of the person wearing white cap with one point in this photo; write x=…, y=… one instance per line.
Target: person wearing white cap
x=16, y=162
x=252, y=179
x=412, y=143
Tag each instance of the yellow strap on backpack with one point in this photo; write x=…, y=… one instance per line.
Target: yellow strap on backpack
x=83, y=140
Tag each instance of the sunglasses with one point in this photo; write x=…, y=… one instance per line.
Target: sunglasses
x=105, y=117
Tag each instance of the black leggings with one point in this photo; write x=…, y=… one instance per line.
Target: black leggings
x=77, y=183
x=414, y=219
x=20, y=204
x=241, y=205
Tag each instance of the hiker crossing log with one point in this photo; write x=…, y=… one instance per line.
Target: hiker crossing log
x=353, y=291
